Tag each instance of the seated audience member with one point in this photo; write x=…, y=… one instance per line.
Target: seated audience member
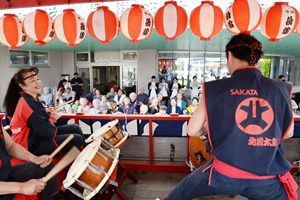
x=62, y=85
x=97, y=95
x=133, y=101
x=162, y=110
x=154, y=107
x=160, y=99
x=68, y=94
x=173, y=108
x=104, y=100
x=64, y=107
x=104, y=109
x=90, y=95
x=281, y=77
x=142, y=98
x=111, y=94
x=113, y=106
x=83, y=105
x=181, y=103
x=24, y=178
x=119, y=97
x=143, y=109
x=96, y=107
x=75, y=106
x=184, y=98
x=47, y=97
x=126, y=107
x=191, y=108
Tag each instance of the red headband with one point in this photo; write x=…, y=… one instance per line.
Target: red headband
x=254, y=46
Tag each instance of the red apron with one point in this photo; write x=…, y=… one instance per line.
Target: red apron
x=289, y=184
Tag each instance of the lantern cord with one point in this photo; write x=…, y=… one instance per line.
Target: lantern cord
x=204, y=61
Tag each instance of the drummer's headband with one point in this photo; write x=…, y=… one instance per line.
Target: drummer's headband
x=33, y=69
x=256, y=46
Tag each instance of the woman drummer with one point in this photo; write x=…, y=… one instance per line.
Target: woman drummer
x=31, y=125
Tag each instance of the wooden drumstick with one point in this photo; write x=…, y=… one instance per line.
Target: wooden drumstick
x=64, y=162
x=63, y=104
x=62, y=145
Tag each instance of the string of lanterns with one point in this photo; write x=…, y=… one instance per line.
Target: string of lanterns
x=136, y=23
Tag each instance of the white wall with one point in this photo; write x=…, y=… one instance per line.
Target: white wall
x=50, y=76
x=68, y=63
x=147, y=66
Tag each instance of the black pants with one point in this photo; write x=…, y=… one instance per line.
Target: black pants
x=64, y=131
x=25, y=172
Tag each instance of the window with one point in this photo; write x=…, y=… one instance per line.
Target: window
x=19, y=58
x=184, y=65
x=82, y=56
x=40, y=58
x=129, y=56
x=28, y=58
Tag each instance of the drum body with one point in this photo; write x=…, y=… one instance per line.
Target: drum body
x=198, y=152
x=111, y=132
x=91, y=170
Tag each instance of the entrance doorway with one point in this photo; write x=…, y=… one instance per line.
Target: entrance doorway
x=105, y=77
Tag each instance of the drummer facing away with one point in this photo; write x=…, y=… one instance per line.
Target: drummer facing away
x=247, y=116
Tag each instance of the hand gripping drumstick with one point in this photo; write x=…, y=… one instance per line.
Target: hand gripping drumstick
x=64, y=162
x=62, y=145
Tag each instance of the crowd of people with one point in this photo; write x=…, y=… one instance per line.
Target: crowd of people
x=161, y=98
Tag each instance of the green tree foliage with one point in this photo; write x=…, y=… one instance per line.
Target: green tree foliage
x=265, y=66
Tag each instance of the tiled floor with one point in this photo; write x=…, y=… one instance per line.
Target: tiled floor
x=152, y=185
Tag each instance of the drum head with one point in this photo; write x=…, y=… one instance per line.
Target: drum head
x=81, y=163
x=101, y=131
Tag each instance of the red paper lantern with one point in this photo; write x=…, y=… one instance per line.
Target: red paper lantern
x=70, y=28
x=170, y=20
x=38, y=26
x=279, y=21
x=206, y=20
x=136, y=23
x=243, y=16
x=103, y=25
x=11, y=33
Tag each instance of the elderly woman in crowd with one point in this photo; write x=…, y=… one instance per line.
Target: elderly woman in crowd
x=126, y=107
x=96, y=107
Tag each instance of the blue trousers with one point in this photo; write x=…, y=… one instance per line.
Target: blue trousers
x=196, y=185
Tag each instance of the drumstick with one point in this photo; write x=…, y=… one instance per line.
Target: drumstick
x=62, y=145
x=64, y=162
x=63, y=104
x=55, y=99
